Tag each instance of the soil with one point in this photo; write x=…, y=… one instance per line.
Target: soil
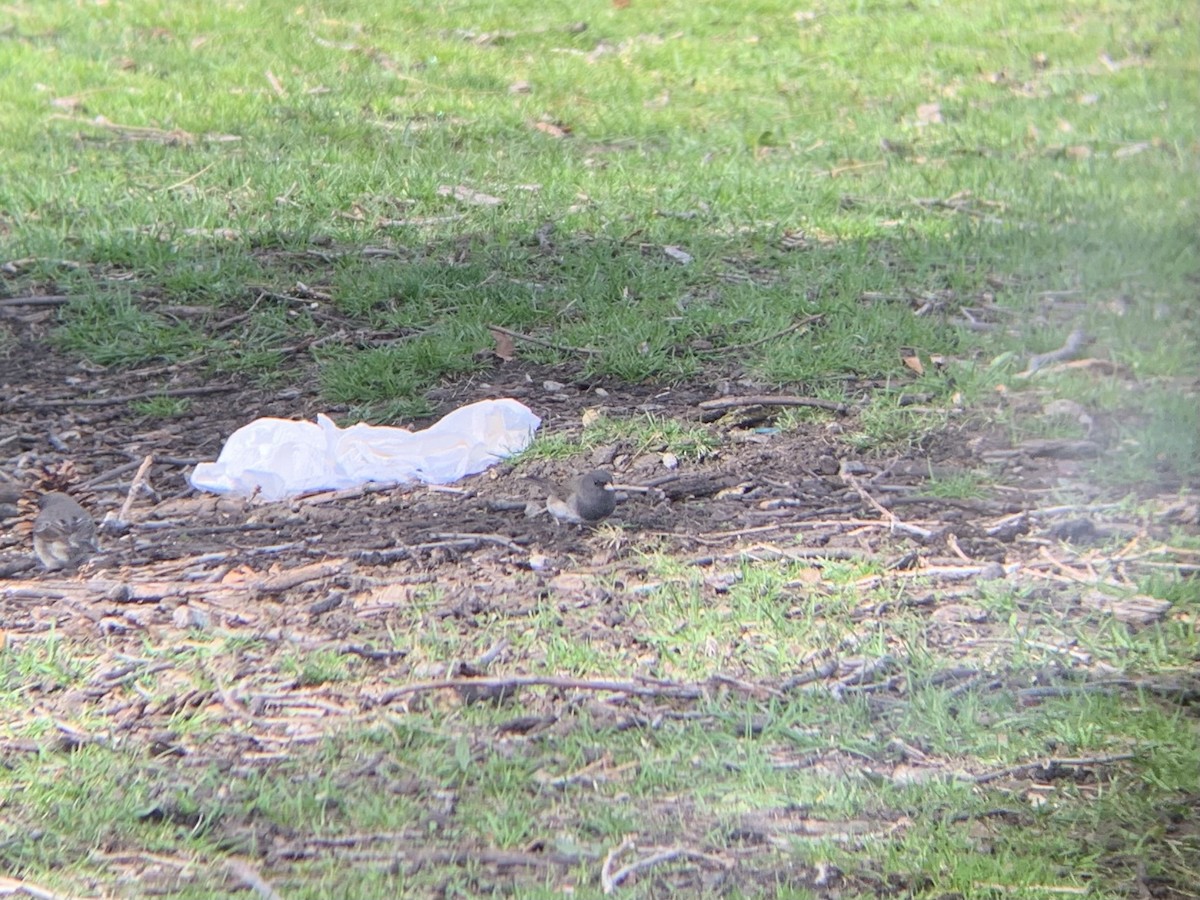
x=760, y=484
x=331, y=570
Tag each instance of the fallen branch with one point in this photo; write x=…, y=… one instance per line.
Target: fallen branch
x=1066, y=763
x=417, y=858
x=663, y=689
x=772, y=400
x=143, y=133
x=893, y=521
x=126, y=398
x=1110, y=686
x=45, y=300
x=1047, y=512
x=942, y=573
x=112, y=473
x=13, y=266
x=125, y=591
x=139, y=479
x=1031, y=888
x=963, y=202
x=277, y=584
x=869, y=669
x=346, y=494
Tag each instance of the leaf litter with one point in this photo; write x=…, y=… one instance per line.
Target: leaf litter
x=356, y=576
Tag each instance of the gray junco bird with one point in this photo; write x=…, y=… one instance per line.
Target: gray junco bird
x=587, y=499
x=64, y=534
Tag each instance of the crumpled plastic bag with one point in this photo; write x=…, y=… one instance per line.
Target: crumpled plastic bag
x=280, y=458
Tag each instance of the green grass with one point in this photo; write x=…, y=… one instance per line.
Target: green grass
x=436, y=776
x=299, y=193
x=715, y=131
x=640, y=435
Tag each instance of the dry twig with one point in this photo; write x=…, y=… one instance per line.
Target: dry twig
x=541, y=342
x=1075, y=342
x=139, y=479
x=783, y=332
x=610, y=880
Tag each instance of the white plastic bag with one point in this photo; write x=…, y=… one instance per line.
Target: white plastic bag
x=282, y=457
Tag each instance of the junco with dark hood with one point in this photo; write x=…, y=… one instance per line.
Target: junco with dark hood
x=587, y=499
x=64, y=534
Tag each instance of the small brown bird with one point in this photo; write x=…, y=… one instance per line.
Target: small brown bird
x=64, y=534
x=587, y=499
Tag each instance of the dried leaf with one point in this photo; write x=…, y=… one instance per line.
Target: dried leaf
x=520, y=87
x=1132, y=149
x=241, y=575
x=505, y=349
x=929, y=113
x=1078, y=151
x=464, y=194
x=553, y=129
x=914, y=363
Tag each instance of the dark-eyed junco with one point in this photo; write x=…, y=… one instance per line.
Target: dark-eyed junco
x=587, y=498
x=64, y=534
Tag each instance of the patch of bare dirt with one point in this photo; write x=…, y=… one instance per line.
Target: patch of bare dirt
x=342, y=571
